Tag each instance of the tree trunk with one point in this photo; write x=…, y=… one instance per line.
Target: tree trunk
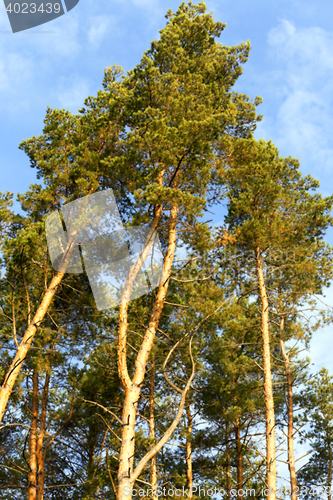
x=189, y=472
x=290, y=407
x=228, y=464
x=239, y=461
x=22, y=351
x=41, y=456
x=133, y=386
x=330, y=467
x=153, y=468
x=32, y=492
x=268, y=387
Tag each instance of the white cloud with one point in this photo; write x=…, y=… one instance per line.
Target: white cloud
x=145, y=3
x=100, y=25
x=72, y=92
x=15, y=69
x=16, y=80
x=63, y=42
x=310, y=46
x=27, y=59
x=153, y=10
x=301, y=85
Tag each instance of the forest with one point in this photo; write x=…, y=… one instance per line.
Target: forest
x=202, y=387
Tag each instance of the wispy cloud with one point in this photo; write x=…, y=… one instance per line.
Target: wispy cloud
x=302, y=83
x=145, y=3
x=99, y=26
x=72, y=92
x=64, y=42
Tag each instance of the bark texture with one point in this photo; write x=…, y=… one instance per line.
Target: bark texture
x=330, y=467
x=36, y=441
x=239, y=461
x=153, y=464
x=32, y=492
x=228, y=463
x=133, y=386
x=268, y=387
x=41, y=454
x=189, y=471
x=290, y=408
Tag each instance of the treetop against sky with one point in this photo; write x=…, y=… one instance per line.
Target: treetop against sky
x=165, y=138
x=60, y=63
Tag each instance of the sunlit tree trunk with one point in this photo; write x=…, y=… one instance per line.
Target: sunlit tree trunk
x=24, y=346
x=330, y=467
x=32, y=492
x=228, y=463
x=153, y=465
x=189, y=471
x=40, y=442
x=268, y=387
x=290, y=408
x=133, y=386
x=239, y=461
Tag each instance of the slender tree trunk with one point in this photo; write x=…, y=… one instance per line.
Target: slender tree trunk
x=127, y=443
x=32, y=492
x=239, y=461
x=24, y=346
x=330, y=467
x=290, y=407
x=153, y=468
x=228, y=464
x=133, y=386
x=41, y=455
x=189, y=471
x=268, y=387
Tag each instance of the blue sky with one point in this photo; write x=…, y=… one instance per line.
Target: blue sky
x=62, y=62
x=290, y=66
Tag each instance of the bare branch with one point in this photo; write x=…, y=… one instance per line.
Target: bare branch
x=156, y=448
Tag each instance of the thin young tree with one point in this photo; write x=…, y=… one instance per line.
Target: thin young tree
x=315, y=477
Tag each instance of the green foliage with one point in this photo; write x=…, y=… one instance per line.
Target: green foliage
x=169, y=133
x=317, y=400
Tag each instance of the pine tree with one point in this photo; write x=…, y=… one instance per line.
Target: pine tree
x=315, y=477
x=271, y=210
